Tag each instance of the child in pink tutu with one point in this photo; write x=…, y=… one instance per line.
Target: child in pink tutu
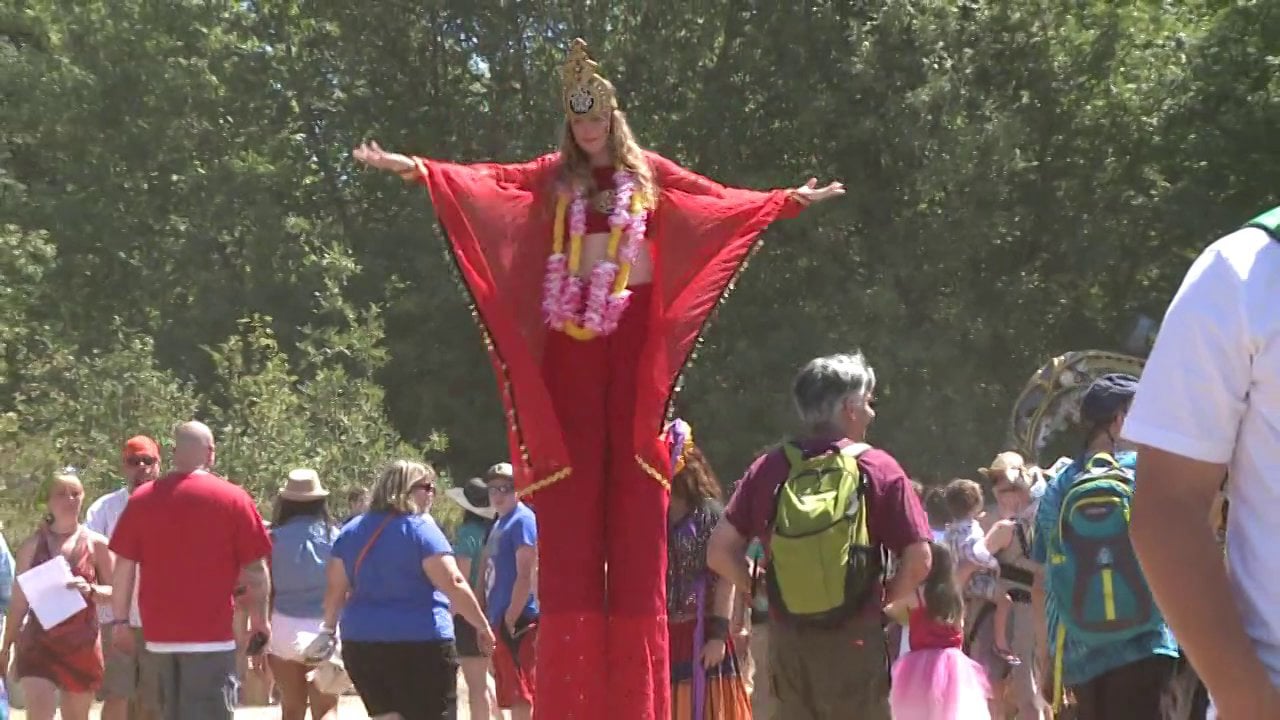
x=936, y=680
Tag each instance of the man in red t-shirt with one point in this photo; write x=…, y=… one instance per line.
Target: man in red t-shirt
x=823, y=672
x=200, y=537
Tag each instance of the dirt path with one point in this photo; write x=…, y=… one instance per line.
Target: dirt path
x=349, y=709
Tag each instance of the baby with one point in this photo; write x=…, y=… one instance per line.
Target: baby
x=967, y=542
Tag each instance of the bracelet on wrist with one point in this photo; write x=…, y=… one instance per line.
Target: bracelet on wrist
x=717, y=628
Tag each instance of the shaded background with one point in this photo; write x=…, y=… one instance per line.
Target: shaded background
x=182, y=231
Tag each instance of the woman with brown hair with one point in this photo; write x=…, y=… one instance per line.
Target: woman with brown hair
x=706, y=680
x=302, y=537
x=65, y=659
x=593, y=271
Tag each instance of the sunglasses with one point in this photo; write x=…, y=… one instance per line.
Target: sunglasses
x=141, y=461
x=503, y=488
x=431, y=489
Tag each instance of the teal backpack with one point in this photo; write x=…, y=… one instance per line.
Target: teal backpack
x=1102, y=594
x=1268, y=222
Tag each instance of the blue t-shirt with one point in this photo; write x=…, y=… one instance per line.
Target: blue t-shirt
x=518, y=529
x=1080, y=662
x=300, y=548
x=391, y=599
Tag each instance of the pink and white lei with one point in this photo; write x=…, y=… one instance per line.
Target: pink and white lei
x=595, y=308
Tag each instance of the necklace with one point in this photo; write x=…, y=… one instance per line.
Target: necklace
x=590, y=309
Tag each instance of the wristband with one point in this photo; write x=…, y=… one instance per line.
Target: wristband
x=717, y=628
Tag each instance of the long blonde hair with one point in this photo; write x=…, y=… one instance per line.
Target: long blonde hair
x=392, y=488
x=575, y=166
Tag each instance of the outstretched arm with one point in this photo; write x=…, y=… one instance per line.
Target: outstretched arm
x=669, y=174
x=411, y=168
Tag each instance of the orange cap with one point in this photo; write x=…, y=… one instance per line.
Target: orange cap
x=141, y=446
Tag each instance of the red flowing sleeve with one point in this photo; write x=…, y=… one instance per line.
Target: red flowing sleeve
x=670, y=175
x=497, y=220
x=702, y=236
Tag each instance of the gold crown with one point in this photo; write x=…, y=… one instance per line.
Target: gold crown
x=585, y=91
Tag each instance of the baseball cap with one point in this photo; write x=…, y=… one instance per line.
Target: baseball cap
x=1107, y=397
x=498, y=470
x=141, y=446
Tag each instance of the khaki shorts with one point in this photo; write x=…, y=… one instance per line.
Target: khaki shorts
x=830, y=674
x=124, y=678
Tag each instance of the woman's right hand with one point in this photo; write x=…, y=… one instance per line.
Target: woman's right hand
x=373, y=155
x=320, y=648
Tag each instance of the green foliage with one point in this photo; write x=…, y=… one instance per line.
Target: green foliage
x=185, y=233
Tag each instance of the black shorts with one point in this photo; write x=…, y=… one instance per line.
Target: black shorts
x=1137, y=691
x=464, y=635
x=419, y=680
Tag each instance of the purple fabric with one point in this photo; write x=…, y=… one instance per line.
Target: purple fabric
x=699, y=639
x=677, y=435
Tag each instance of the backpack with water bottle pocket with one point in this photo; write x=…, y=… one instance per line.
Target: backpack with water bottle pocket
x=1102, y=594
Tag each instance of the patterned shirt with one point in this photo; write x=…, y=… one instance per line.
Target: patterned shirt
x=1080, y=662
x=968, y=544
x=687, y=560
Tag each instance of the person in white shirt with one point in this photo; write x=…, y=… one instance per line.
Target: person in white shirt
x=122, y=679
x=1209, y=405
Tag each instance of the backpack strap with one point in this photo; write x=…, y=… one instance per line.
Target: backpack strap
x=1268, y=222
x=793, y=454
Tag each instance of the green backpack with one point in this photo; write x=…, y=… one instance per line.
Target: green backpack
x=822, y=564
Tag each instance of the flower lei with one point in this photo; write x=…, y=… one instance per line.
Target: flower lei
x=595, y=312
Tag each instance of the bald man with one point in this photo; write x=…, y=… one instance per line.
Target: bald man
x=200, y=537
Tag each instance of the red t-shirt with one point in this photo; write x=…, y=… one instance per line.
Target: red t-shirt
x=193, y=533
x=895, y=518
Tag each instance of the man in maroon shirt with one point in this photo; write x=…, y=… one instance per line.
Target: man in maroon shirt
x=200, y=538
x=820, y=673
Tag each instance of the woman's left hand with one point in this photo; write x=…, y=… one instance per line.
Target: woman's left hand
x=713, y=653
x=80, y=584
x=810, y=193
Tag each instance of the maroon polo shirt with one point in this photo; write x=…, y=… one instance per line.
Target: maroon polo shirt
x=895, y=520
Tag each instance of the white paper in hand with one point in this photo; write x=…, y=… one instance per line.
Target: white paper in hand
x=45, y=586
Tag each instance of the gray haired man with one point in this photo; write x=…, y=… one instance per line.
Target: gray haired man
x=832, y=670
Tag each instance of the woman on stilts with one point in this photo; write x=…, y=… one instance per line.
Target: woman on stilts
x=592, y=271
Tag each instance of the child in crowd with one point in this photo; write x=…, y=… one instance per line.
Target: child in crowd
x=968, y=544
x=936, y=680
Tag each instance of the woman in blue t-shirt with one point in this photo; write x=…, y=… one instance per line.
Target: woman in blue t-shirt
x=392, y=577
x=302, y=537
x=468, y=547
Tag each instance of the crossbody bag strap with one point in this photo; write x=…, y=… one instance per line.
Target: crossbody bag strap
x=355, y=571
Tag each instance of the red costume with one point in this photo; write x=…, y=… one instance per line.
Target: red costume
x=584, y=417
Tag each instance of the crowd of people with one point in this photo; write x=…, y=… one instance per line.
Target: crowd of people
x=829, y=586
x=598, y=574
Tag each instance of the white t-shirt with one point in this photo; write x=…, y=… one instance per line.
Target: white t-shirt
x=102, y=517
x=1211, y=391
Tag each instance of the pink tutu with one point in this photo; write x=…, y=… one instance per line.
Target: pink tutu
x=939, y=685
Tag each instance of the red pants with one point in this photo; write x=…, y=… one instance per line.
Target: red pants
x=602, y=640
x=514, y=664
